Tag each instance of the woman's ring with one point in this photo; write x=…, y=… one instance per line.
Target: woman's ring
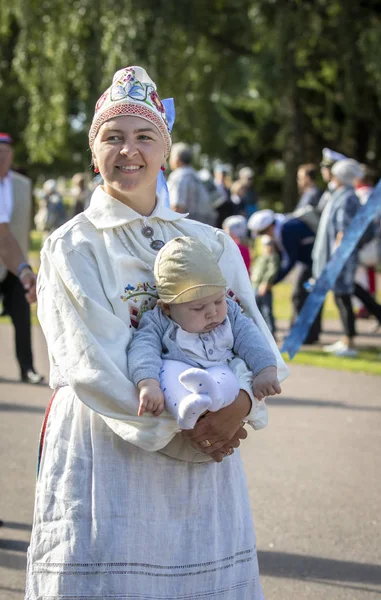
x=205, y=444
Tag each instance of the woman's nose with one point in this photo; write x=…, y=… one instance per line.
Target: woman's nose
x=129, y=149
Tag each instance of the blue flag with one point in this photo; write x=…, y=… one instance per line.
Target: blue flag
x=332, y=270
x=161, y=186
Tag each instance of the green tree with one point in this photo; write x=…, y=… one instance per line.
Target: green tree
x=254, y=80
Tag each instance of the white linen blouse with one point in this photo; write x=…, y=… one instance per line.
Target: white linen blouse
x=95, y=281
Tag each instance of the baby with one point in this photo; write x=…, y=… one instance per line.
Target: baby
x=263, y=275
x=179, y=356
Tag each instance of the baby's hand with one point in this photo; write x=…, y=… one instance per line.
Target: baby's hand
x=266, y=383
x=151, y=397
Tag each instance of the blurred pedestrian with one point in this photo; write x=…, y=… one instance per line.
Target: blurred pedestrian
x=222, y=180
x=51, y=213
x=263, y=274
x=250, y=200
x=17, y=280
x=238, y=194
x=309, y=192
x=294, y=240
x=187, y=193
x=338, y=214
x=80, y=193
x=329, y=157
x=236, y=227
x=370, y=255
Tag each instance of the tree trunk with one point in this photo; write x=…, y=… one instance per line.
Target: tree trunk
x=294, y=154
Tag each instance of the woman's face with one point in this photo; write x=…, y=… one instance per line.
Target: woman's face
x=129, y=152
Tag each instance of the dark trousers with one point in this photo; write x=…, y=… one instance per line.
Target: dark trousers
x=16, y=306
x=265, y=307
x=344, y=304
x=368, y=301
x=299, y=295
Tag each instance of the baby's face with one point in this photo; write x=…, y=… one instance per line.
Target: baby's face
x=268, y=249
x=200, y=316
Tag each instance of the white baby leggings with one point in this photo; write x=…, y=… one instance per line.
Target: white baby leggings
x=189, y=391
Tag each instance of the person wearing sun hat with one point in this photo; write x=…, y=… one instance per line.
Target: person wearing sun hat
x=121, y=481
x=191, y=334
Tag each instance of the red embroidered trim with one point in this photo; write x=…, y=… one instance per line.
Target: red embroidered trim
x=43, y=430
x=130, y=109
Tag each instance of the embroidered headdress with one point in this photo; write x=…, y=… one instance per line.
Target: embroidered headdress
x=132, y=92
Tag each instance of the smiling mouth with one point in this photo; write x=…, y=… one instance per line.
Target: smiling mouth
x=130, y=169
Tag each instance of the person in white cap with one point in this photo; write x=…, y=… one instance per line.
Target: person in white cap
x=294, y=240
x=336, y=218
x=115, y=491
x=193, y=334
x=236, y=227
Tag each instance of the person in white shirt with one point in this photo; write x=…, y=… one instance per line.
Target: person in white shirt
x=17, y=280
x=127, y=506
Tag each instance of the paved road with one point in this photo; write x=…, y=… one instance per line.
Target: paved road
x=314, y=479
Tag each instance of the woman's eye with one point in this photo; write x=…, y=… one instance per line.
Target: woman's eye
x=113, y=138
x=143, y=137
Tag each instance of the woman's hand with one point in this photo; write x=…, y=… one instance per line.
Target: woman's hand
x=218, y=433
x=228, y=449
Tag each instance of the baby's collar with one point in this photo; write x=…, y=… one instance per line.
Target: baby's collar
x=107, y=212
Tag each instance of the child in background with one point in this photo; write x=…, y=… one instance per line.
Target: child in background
x=263, y=274
x=236, y=227
x=193, y=335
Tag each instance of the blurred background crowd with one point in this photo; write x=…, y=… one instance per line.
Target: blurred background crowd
x=272, y=243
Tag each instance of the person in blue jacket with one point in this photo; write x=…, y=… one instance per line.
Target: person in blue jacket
x=294, y=240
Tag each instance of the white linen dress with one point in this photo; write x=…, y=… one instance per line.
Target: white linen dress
x=116, y=516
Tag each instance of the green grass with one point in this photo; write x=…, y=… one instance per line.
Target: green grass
x=368, y=361
x=282, y=303
x=35, y=242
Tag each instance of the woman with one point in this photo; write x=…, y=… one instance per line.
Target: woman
x=337, y=215
x=126, y=507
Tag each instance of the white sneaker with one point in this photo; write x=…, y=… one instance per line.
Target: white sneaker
x=346, y=351
x=333, y=347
